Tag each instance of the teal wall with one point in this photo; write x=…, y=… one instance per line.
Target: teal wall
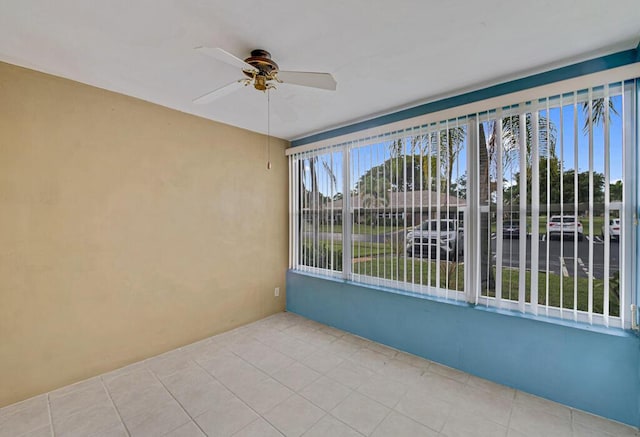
x=595, y=370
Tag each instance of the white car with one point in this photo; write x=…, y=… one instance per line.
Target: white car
x=614, y=229
x=565, y=226
x=425, y=239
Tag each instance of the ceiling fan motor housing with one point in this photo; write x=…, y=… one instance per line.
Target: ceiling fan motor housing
x=267, y=68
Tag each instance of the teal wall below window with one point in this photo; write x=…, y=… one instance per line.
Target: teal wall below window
x=591, y=369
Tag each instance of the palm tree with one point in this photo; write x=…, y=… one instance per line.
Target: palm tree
x=547, y=136
x=487, y=154
x=315, y=202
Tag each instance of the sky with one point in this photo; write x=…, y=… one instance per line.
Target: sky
x=371, y=155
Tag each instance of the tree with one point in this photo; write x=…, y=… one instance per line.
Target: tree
x=489, y=135
x=459, y=187
x=598, y=112
x=512, y=193
x=315, y=203
x=615, y=191
x=569, y=191
x=451, y=141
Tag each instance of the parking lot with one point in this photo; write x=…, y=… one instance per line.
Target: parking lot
x=563, y=258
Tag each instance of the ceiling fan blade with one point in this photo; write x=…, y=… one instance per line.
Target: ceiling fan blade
x=217, y=93
x=226, y=57
x=324, y=81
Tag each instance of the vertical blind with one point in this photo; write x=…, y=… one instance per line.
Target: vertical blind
x=523, y=208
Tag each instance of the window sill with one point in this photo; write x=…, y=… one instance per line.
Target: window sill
x=617, y=332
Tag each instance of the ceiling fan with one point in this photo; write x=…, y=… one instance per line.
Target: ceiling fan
x=262, y=73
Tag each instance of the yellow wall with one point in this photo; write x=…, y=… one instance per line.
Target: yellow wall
x=126, y=229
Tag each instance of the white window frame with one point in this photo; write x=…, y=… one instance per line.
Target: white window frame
x=472, y=293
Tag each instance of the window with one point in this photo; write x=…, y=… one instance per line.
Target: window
x=505, y=208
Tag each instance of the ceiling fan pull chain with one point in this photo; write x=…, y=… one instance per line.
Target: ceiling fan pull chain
x=268, y=129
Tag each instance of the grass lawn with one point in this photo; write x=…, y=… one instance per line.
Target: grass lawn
x=452, y=278
x=367, y=249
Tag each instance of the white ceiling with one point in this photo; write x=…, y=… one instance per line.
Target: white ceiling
x=384, y=55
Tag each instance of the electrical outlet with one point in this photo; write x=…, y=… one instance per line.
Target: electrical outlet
x=276, y=292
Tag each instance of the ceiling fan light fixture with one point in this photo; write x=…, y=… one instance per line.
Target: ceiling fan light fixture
x=260, y=83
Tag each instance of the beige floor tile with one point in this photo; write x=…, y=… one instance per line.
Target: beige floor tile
x=491, y=406
x=492, y=387
x=294, y=416
x=318, y=338
x=358, y=341
x=513, y=433
x=326, y=393
x=401, y=371
x=169, y=363
x=296, y=376
x=360, y=412
x=116, y=431
x=90, y=383
x=270, y=337
x=226, y=419
x=271, y=361
x=531, y=402
x=133, y=367
x=223, y=362
x=25, y=416
x=351, y=374
x=204, y=350
x=384, y=390
x=197, y=392
x=294, y=348
x=342, y=348
x=322, y=361
x=135, y=402
x=602, y=425
x=74, y=401
x=249, y=350
x=139, y=378
x=158, y=420
x=370, y=359
x=224, y=382
x=330, y=426
x=87, y=422
x=45, y=431
x=449, y=372
x=381, y=348
x=258, y=428
x=299, y=330
x=465, y=423
x=188, y=377
x=243, y=375
x=264, y=395
x=414, y=360
x=537, y=423
x=441, y=387
x=189, y=429
x=422, y=407
x=583, y=431
x=397, y=425
x=333, y=331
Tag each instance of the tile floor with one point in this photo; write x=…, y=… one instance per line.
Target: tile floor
x=286, y=375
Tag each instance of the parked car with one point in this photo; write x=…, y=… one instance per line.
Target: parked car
x=424, y=239
x=560, y=226
x=511, y=229
x=614, y=229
